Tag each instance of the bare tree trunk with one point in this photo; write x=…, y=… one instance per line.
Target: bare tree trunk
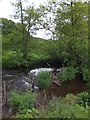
x=72, y=20
x=24, y=47
x=5, y=94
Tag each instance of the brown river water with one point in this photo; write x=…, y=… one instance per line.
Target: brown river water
x=74, y=86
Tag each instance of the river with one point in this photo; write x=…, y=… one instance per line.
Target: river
x=14, y=79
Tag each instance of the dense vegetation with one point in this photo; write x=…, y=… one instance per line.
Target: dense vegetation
x=67, y=22
x=68, y=73
x=64, y=108
x=44, y=80
x=69, y=44
x=69, y=106
x=38, y=49
x=20, y=101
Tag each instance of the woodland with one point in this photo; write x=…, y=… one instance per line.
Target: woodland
x=67, y=24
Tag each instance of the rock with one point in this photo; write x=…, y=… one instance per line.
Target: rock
x=22, y=84
x=19, y=84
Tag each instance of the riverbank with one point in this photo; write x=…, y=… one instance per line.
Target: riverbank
x=73, y=86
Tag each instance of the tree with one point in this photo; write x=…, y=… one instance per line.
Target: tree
x=48, y=13
x=29, y=18
x=68, y=22
x=71, y=20
x=71, y=28
x=19, y=14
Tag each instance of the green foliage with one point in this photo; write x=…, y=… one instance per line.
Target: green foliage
x=85, y=73
x=44, y=80
x=70, y=98
x=12, y=58
x=36, y=58
x=69, y=20
x=83, y=99
x=70, y=44
x=27, y=113
x=71, y=30
x=67, y=74
x=11, y=35
x=7, y=26
x=28, y=18
x=59, y=108
x=19, y=102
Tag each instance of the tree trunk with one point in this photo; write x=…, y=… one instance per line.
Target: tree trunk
x=24, y=46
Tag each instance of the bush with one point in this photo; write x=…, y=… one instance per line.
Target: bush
x=20, y=101
x=70, y=98
x=58, y=108
x=85, y=73
x=44, y=80
x=67, y=74
x=83, y=99
x=35, y=58
x=12, y=59
x=27, y=113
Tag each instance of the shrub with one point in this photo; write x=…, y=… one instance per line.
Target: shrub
x=85, y=73
x=12, y=58
x=27, y=113
x=44, y=80
x=83, y=99
x=35, y=58
x=70, y=98
x=67, y=74
x=58, y=108
x=20, y=101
